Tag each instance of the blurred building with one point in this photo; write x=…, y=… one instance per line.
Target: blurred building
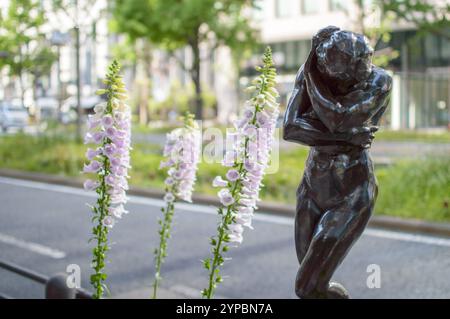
x=421, y=93
x=218, y=77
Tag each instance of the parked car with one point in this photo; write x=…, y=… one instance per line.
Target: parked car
x=48, y=107
x=13, y=115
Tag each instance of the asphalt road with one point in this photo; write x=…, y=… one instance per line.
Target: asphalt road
x=46, y=227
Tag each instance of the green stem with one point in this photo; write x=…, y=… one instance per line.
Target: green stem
x=164, y=235
x=225, y=221
x=101, y=231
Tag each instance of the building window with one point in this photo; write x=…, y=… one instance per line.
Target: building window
x=446, y=50
x=337, y=5
x=310, y=6
x=290, y=55
x=284, y=8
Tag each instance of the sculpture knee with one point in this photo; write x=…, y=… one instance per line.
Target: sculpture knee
x=333, y=225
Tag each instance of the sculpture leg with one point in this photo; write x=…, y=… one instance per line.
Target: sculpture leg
x=334, y=235
x=307, y=216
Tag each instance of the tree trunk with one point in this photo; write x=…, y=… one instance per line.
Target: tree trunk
x=78, y=82
x=148, y=75
x=38, y=109
x=21, y=81
x=143, y=102
x=144, y=80
x=195, y=75
x=22, y=88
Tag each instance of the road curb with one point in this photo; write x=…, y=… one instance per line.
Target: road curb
x=386, y=222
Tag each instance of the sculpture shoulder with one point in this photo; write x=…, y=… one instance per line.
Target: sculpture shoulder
x=380, y=80
x=300, y=77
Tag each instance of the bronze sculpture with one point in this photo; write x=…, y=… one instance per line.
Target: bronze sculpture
x=336, y=105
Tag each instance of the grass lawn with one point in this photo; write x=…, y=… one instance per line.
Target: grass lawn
x=416, y=189
x=414, y=136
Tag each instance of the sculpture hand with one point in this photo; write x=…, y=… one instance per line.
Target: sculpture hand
x=363, y=136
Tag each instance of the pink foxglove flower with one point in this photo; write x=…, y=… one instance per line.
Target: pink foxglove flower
x=182, y=154
x=252, y=144
x=109, y=130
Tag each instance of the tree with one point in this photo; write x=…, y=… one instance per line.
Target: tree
x=427, y=16
x=174, y=24
x=23, y=44
x=366, y=13
x=130, y=18
x=43, y=58
x=78, y=15
x=135, y=48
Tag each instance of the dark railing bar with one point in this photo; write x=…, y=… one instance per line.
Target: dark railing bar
x=30, y=274
x=37, y=277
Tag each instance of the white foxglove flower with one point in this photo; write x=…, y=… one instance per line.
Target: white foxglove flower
x=219, y=182
x=248, y=159
x=109, y=129
x=182, y=154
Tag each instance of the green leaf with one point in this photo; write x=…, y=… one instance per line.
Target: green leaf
x=206, y=263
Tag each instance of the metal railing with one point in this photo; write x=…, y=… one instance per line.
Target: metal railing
x=55, y=286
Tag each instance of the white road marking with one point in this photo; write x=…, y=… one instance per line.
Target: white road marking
x=198, y=208
x=47, y=187
x=422, y=239
x=34, y=247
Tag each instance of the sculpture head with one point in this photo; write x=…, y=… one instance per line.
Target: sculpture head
x=343, y=55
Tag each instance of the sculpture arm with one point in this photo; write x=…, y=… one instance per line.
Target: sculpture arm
x=354, y=109
x=376, y=118
x=306, y=130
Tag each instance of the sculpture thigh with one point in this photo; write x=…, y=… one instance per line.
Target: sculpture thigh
x=334, y=203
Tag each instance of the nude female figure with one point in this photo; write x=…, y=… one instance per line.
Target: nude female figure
x=335, y=107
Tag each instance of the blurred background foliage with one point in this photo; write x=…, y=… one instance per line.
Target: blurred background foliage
x=197, y=55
